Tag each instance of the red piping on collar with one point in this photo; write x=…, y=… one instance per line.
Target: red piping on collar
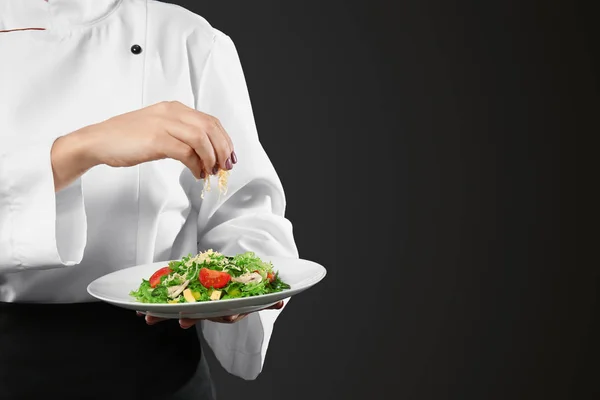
x=23, y=29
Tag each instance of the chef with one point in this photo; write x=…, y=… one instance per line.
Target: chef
x=113, y=114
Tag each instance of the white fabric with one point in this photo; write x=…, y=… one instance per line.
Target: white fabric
x=80, y=71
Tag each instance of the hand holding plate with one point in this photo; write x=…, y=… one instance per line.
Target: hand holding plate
x=186, y=323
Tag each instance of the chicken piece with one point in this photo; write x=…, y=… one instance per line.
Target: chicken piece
x=252, y=277
x=175, y=291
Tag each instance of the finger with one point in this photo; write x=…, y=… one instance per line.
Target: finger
x=187, y=323
x=197, y=139
x=219, y=139
x=229, y=319
x=240, y=317
x=224, y=320
x=150, y=320
x=276, y=306
x=176, y=149
x=215, y=133
x=228, y=138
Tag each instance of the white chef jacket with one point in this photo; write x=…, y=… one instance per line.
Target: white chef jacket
x=81, y=70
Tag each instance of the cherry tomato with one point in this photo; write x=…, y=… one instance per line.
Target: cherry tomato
x=270, y=276
x=155, y=278
x=215, y=279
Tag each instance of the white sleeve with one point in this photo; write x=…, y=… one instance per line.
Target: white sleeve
x=250, y=216
x=39, y=229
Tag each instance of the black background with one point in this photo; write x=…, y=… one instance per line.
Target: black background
x=428, y=155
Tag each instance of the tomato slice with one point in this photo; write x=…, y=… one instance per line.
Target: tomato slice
x=270, y=276
x=215, y=279
x=155, y=278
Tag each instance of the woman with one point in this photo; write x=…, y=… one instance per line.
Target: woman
x=113, y=113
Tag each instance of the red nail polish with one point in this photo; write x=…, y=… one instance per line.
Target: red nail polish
x=228, y=164
x=234, y=157
x=215, y=170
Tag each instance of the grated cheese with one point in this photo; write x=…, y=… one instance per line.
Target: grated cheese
x=223, y=178
x=202, y=257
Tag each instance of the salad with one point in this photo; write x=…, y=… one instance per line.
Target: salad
x=210, y=276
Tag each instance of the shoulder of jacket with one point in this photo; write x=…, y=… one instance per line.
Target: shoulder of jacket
x=167, y=17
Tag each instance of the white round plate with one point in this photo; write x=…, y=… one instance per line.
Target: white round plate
x=114, y=288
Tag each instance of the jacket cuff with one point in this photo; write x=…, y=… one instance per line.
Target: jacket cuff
x=44, y=229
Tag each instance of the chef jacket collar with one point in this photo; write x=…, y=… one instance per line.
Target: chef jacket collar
x=53, y=15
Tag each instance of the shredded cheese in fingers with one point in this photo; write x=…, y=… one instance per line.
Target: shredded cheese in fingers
x=206, y=187
x=223, y=177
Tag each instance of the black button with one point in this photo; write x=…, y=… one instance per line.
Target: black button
x=136, y=49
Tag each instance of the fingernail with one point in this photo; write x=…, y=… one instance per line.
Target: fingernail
x=215, y=170
x=202, y=175
x=228, y=164
x=233, y=157
x=183, y=326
